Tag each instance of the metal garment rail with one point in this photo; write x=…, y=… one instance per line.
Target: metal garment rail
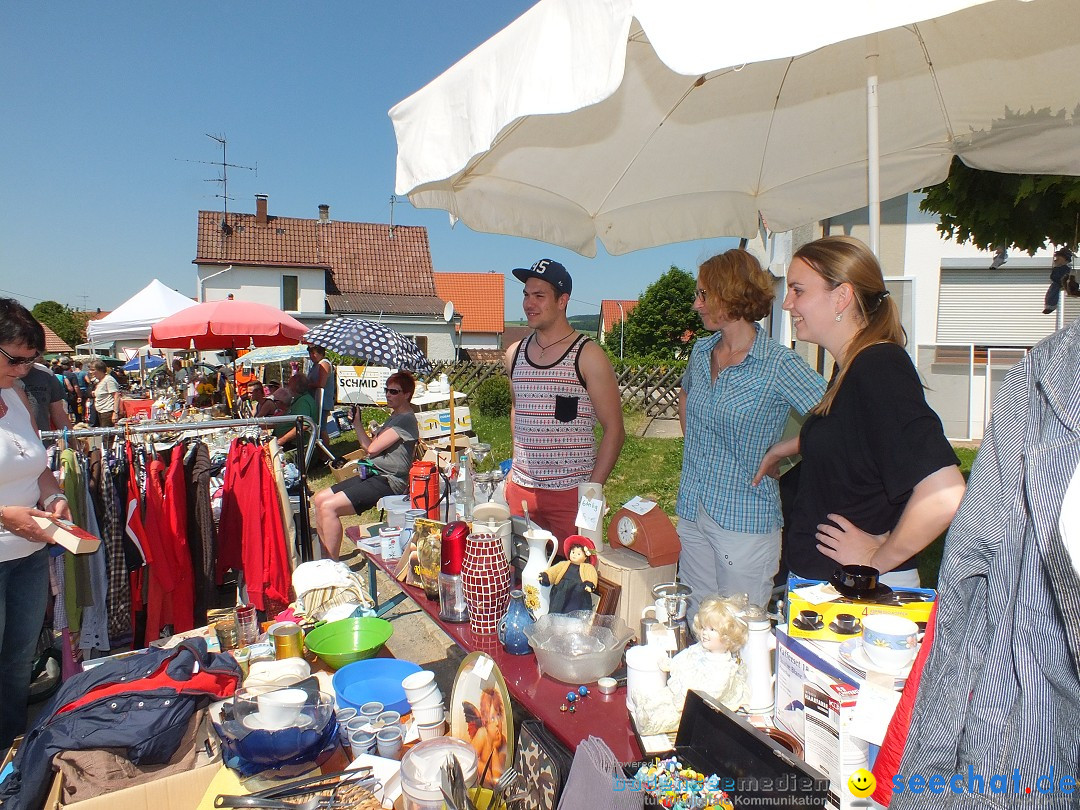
x=302, y=459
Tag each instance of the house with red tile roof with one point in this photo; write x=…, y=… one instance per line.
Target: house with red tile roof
x=612, y=311
x=54, y=344
x=478, y=298
x=319, y=268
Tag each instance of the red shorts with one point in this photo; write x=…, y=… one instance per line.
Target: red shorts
x=551, y=509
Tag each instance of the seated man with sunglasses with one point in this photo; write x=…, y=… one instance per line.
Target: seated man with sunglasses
x=390, y=452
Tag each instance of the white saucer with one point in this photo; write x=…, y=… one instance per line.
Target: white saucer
x=254, y=722
x=854, y=657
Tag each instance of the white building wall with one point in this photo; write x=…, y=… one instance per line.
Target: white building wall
x=480, y=340
x=263, y=285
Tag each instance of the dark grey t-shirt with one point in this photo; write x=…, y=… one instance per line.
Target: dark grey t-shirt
x=42, y=389
x=394, y=463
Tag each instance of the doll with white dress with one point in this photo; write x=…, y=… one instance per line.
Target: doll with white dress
x=712, y=666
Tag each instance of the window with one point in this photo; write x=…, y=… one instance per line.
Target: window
x=421, y=342
x=290, y=293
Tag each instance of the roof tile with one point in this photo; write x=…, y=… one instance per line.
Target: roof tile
x=477, y=296
x=362, y=257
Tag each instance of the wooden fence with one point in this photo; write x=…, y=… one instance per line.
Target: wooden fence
x=651, y=389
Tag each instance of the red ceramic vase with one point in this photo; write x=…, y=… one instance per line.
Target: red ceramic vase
x=485, y=579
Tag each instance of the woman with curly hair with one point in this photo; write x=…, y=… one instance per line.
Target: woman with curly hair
x=737, y=392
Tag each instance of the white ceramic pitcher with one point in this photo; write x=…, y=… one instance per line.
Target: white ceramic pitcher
x=537, y=596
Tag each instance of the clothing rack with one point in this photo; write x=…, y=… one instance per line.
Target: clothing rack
x=302, y=459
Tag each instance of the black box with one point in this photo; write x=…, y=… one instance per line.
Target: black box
x=753, y=769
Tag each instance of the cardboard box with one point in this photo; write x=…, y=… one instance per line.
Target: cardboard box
x=181, y=791
x=825, y=629
x=798, y=663
x=829, y=746
x=69, y=535
x=347, y=469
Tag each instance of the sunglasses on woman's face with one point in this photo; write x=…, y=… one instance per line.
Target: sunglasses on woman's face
x=16, y=360
x=394, y=391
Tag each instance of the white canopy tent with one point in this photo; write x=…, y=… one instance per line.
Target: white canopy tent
x=133, y=319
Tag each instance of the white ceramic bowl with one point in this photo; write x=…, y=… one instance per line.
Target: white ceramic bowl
x=422, y=694
x=425, y=717
x=418, y=680
x=434, y=699
x=432, y=731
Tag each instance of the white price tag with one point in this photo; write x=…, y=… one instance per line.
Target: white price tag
x=639, y=505
x=588, y=513
x=482, y=667
x=874, y=708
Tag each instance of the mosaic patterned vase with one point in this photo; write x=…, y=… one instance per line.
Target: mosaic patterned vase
x=485, y=578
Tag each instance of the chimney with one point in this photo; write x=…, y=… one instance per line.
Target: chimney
x=260, y=209
x=324, y=214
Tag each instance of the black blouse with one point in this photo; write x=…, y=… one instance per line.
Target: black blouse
x=865, y=457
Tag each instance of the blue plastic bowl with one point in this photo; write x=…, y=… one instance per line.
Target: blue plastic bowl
x=375, y=679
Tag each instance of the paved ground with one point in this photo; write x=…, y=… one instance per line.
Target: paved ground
x=662, y=429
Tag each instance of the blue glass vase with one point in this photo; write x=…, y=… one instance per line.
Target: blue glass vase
x=512, y=625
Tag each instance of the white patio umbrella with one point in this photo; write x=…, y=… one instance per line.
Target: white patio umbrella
x=644, y=122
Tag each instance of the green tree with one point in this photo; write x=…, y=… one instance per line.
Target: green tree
x=70, y=326
x=661, y=325
x=992, y=210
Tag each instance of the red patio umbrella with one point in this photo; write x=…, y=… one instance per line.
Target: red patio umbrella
x=227, y=324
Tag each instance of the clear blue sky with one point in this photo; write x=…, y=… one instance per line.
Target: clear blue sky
x=103, y=104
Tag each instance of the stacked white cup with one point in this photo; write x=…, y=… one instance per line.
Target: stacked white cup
x=426, y=702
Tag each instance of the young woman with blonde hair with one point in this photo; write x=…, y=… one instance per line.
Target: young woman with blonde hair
x=879, y=481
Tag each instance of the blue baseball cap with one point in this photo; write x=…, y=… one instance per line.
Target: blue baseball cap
x=547, y=270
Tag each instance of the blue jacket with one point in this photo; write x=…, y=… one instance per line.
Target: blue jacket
x=1000, y=692
x=141, y=703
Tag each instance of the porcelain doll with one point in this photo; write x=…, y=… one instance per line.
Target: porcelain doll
x=711, y=666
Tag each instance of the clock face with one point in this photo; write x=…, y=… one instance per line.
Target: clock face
x=628, y=530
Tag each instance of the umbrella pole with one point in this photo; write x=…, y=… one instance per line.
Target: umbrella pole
x=873, y=147
x=307, y=550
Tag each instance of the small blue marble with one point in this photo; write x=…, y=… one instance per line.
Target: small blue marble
x=583, y=690
x=571, y=696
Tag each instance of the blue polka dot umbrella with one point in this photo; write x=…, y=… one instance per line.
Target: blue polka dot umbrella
x=371, y=342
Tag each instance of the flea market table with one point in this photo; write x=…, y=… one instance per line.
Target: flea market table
x=603, y=716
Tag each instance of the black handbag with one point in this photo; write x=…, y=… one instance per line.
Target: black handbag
x=543, y=764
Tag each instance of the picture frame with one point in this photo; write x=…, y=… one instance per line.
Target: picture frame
x=607, y=596
x=476, y=716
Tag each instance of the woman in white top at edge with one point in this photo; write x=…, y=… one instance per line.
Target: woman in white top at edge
x=27, y=490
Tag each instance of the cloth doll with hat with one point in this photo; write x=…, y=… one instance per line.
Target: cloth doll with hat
x=572, y=581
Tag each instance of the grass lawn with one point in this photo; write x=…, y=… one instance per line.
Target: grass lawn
x=646, y=467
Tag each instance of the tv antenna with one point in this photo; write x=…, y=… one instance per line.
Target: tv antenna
x=224, y=177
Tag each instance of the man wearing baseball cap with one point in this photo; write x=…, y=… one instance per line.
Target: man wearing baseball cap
x=1059, y=274
x=562, y=384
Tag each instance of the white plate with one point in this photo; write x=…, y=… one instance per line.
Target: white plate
x=254, y=722
x=854, y=656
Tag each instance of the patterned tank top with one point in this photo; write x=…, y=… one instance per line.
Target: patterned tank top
x=554, y=443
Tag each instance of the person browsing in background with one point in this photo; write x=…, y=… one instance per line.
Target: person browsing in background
x=302, y=404
x=27, y=490
x=323, y=385
x=561, y=384
x=390, y=451
x=106, y=395
x=46, y=398
x=737, y=393
x=84, y=392
x=879, y=481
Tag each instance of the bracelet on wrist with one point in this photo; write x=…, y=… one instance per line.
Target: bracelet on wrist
x=2, y=525
x=56, y=496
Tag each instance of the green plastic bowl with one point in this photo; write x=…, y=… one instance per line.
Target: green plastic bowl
x=342, y=642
